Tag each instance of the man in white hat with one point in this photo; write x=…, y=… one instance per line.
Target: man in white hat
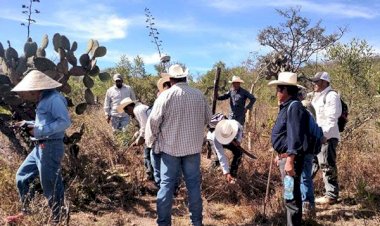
x=228, y=134
x=47, y=132
x=289, y=139
x=114, y=96
x=328, y=108
x=238, y=97
x=140, y=112
x=178, y=120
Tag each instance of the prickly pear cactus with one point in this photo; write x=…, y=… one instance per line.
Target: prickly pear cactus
x=274, y=64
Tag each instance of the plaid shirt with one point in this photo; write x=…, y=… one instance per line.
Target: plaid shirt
x=178, y=120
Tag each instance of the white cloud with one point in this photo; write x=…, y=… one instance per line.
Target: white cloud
x=332, y=8
x=115, y=55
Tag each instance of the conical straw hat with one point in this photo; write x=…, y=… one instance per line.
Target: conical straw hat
x=36, y=80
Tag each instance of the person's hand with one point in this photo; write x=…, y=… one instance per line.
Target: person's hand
x=139, y=141
x=324, y=140
x=19, y=124
x=230, y=179
x=135, y=135
x=108, y=118
x=277, y=160
x=289, y=166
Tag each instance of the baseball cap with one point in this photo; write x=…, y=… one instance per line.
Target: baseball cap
x=117, y=77
x=321, y=76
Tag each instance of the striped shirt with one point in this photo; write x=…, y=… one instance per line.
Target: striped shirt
x=178, y=120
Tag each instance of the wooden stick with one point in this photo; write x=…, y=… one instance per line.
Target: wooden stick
x=216, y=87
x=268, y=182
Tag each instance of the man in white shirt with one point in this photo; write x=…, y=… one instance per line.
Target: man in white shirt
x=328, y=109
x=140, y=112
x=114, y=96
x=227, y=134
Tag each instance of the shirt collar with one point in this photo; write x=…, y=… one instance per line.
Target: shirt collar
x=287, y=102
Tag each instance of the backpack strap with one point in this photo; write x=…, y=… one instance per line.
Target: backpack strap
x=324, y=98
x=291, y=103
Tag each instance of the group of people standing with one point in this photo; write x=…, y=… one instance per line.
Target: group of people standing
x=172, y=132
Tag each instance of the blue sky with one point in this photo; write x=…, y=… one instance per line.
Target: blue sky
x=195, y=32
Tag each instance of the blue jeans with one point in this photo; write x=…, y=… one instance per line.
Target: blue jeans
x=307, y=186
x=170, y=169
x=156, y=164
x=44, y=161
x=119, y=123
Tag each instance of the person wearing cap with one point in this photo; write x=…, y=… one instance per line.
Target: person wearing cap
x=227, y=133
x=140, y=112
x=238, y=97
x=178, y=120
x=288, y=139
x=47, y=132
x=328, y=108
x=114, y=96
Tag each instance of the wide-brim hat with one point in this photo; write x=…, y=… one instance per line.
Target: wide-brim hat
x=287, y=79
x=160, y=83
x=125, y=102
x=226, y=130
x=236, y=79
x=176, y=71
x=36, y=80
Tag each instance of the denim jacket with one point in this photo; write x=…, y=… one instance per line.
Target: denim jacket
x=52, y=116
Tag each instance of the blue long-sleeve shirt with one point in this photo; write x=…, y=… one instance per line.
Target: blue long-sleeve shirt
x=52, y=116
x=237, y=103
x=291, y=128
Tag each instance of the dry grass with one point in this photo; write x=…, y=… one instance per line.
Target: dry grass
x=105, y=183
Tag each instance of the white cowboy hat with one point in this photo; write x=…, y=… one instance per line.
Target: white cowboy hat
x=36, y=80
x=226, y=130
x=125, y=102
x=160, y=83
x=176, y=71
x=236, y=79
x=287, y=79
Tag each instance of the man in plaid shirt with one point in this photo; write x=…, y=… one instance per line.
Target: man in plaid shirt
x=178, y=120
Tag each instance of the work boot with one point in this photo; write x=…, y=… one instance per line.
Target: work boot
x=325, y=200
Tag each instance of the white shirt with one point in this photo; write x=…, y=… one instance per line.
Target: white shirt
x=219, y=150
x=327, y=113
x=178, y=120
x=141, y=114
x=113, y=98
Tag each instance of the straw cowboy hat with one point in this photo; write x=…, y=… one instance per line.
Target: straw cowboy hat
x=176, y=71
x=34, y=81
x=287, y=79
x=236, y=79
x=160, y=83
x=125, y=102
x=226, y=130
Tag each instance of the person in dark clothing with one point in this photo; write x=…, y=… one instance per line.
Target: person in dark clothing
x=289, y=139
x=238, y=97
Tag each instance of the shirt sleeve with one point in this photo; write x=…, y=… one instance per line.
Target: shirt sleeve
x=295, y=128
x=252, y=100
x=148, y=134
x=225, y=96
x=219, y=150
x=142, y=118
x=157, y=115
x=107, y=103
x=60, y=123
x=333, y=109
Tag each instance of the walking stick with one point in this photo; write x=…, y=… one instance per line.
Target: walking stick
x=268, y=182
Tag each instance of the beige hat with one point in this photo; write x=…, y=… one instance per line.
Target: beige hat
x=321, y=76
x=236, y=79
x=117, y=76
x=160, y=83
x=287, y=79
x=176, y=71
x=125, y=102
x=226, y=130
x=36, y=80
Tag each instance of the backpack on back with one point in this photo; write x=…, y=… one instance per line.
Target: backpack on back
x=343, y=118
x=314, y=134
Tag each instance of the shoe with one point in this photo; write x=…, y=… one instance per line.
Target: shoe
x=325, y=200
x=15, y=218
x=308, y=211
